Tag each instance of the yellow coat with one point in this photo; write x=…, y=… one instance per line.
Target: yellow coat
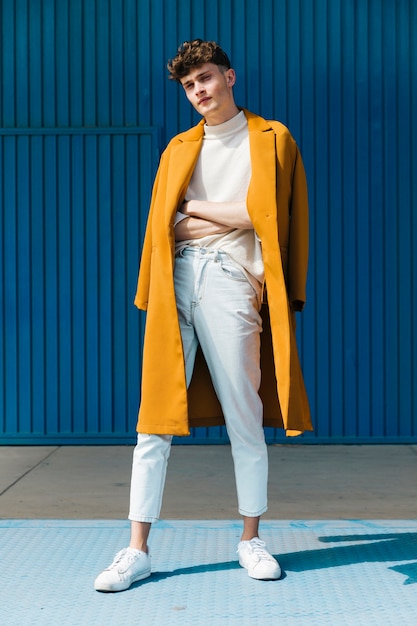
x=278, y=206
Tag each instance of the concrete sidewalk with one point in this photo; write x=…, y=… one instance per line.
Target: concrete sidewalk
x=311, y=482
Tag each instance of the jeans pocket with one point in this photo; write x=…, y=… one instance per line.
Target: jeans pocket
x=235, y=273
x=231, y=271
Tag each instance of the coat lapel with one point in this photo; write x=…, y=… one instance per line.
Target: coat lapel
x=262, y=188
x=183, y=159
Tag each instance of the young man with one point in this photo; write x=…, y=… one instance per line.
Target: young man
x=228, y=221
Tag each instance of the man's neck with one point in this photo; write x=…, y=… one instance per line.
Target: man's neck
x=222, y=117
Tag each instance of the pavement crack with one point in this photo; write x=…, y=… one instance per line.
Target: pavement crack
x=29, y=470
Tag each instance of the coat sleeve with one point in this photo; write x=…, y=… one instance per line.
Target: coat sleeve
x=142, y=291
x=298, y=236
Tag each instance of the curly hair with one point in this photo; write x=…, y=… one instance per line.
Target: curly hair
x=195, y=53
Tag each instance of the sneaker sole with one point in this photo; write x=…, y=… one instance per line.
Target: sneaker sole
x=122, y=586
x=256, y=577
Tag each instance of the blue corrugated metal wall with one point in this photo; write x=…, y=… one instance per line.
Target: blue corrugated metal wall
x=84, y=109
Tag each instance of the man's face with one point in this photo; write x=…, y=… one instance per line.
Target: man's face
x=210, y=91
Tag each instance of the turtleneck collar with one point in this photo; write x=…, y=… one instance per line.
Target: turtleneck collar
x=232, y=126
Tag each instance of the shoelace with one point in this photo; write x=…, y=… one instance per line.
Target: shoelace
x=258, y=548
x=121, y=556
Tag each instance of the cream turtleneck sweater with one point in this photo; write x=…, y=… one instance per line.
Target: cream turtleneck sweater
x=222, y=174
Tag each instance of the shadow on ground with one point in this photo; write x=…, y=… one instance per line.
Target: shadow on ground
x=379, y=548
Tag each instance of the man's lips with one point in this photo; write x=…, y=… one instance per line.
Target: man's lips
x=203, y=100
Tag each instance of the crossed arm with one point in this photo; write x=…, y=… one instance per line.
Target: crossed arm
x=211, y=218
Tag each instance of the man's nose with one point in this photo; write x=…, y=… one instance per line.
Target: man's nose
x=199, y=88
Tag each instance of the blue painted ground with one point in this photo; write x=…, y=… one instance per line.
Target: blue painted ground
x=335, y=572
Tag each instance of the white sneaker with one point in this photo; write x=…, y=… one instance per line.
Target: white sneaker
x=129, y=565
x=254, y=556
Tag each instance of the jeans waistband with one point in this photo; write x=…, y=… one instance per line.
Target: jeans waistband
x=206, y=253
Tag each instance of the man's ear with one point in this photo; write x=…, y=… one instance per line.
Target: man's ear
x=230, y=77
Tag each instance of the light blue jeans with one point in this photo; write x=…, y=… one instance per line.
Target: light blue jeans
x=218, y=308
